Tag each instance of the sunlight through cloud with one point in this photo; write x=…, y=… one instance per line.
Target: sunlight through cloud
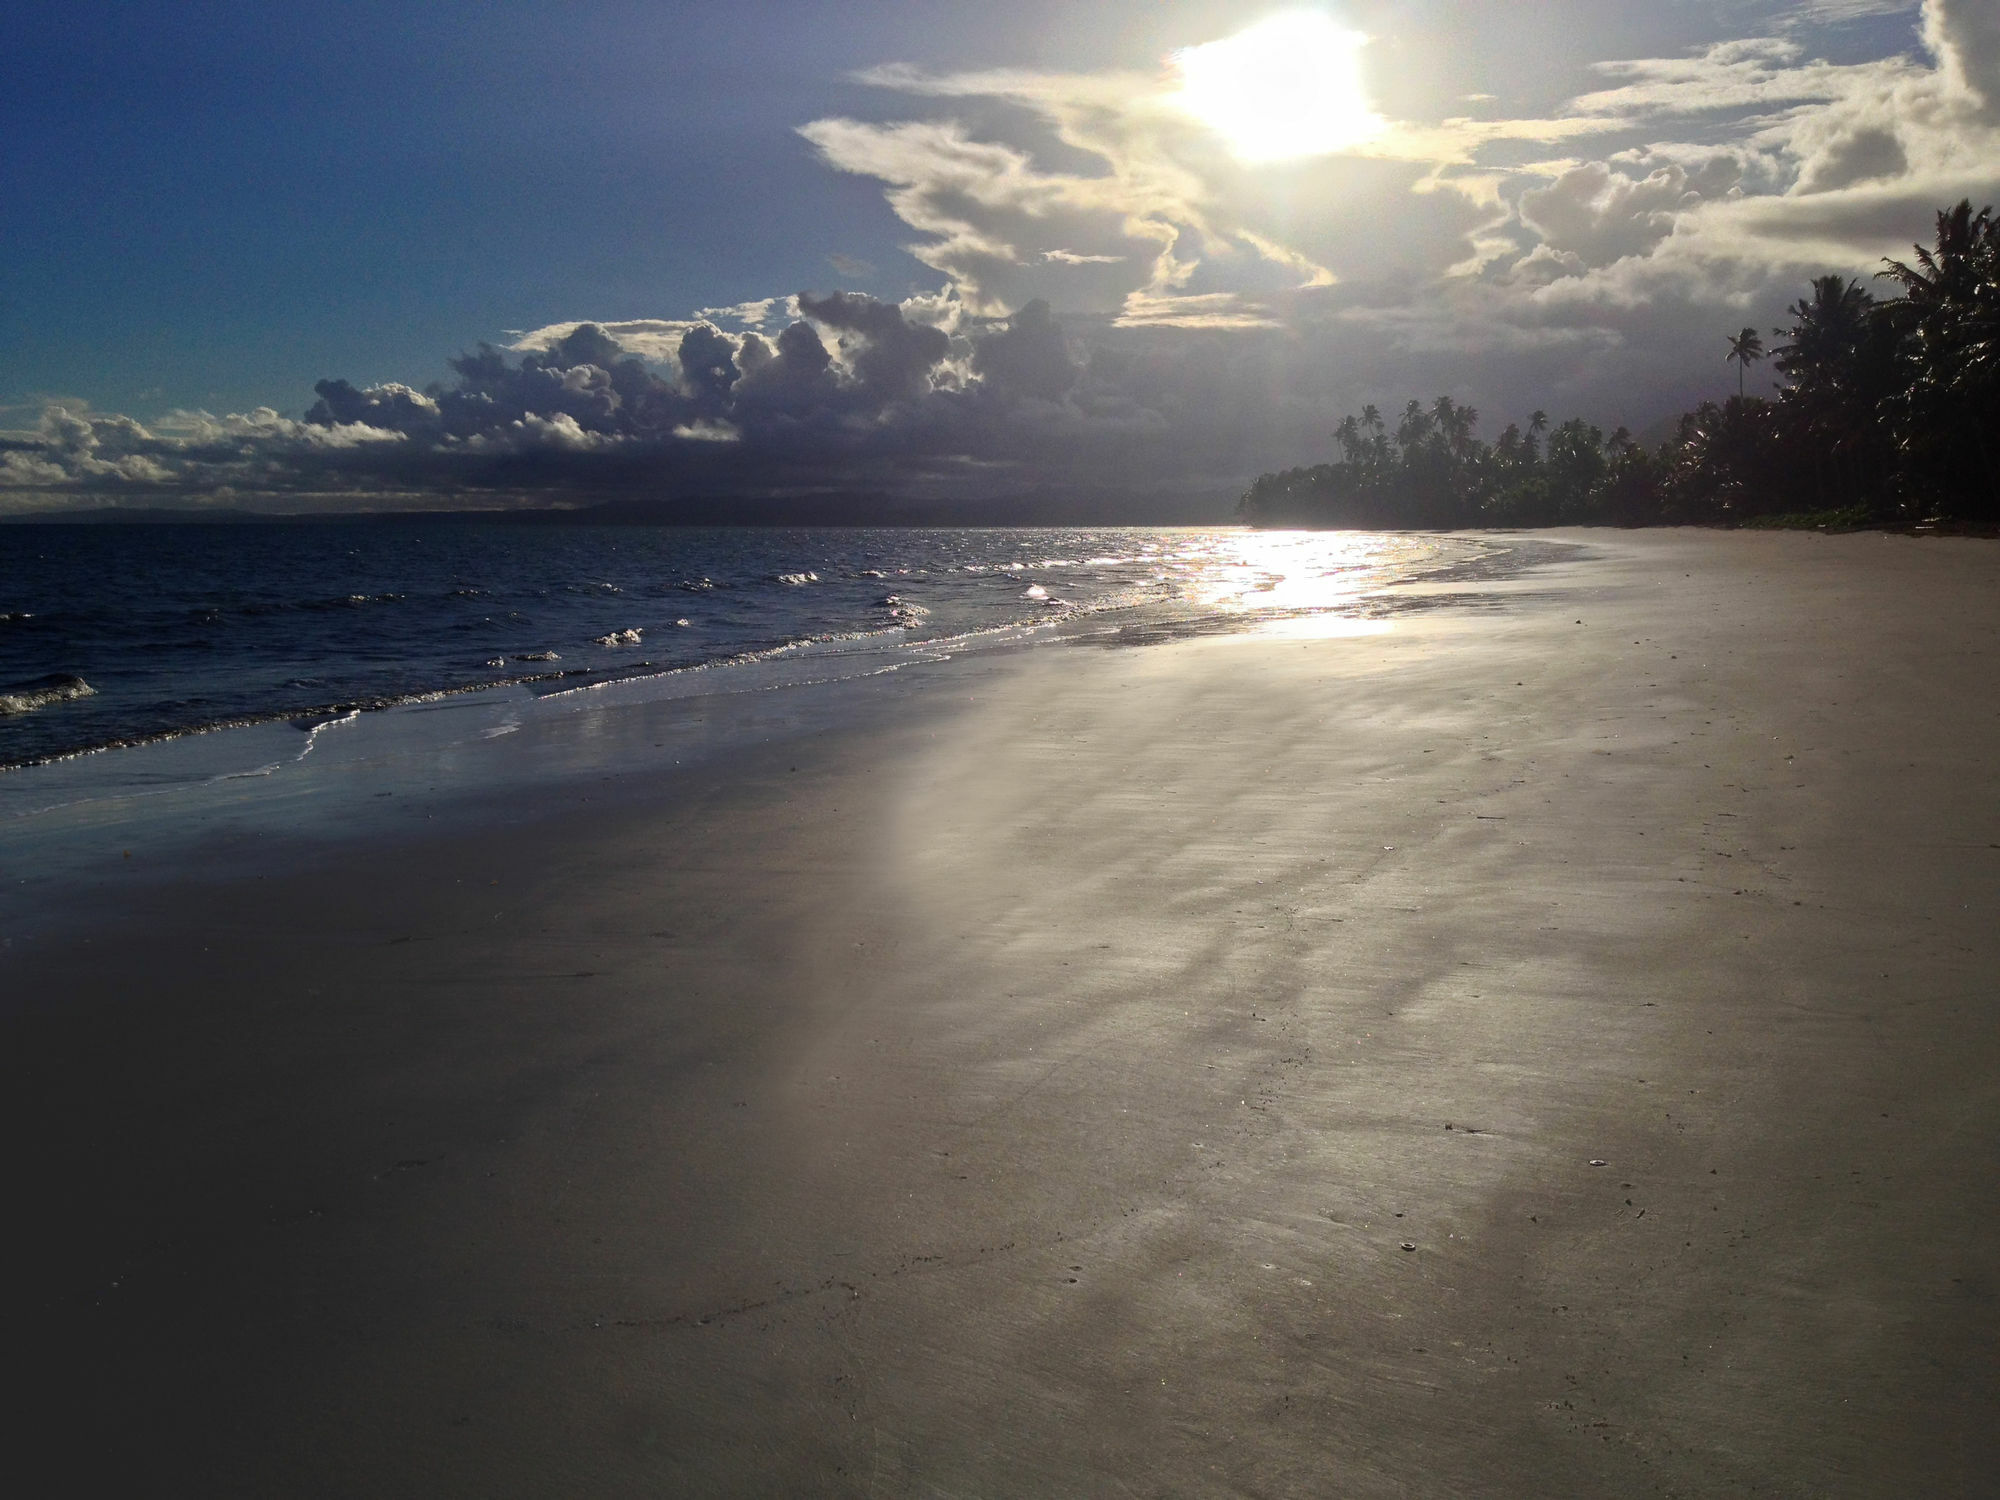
x=1285, y=88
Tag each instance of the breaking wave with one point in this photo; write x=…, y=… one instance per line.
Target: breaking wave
x=56, y=687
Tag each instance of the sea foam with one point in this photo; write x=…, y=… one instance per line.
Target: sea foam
x=40, y=692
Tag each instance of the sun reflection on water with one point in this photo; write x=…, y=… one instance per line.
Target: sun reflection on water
x=1299, y=573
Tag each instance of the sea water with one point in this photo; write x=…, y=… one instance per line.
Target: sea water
x=168, y=686
x=116, y=635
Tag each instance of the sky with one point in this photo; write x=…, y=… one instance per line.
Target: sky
x=346, y=254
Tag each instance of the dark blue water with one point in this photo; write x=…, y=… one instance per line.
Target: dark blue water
x=180, y=628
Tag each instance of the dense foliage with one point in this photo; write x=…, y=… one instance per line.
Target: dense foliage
x=1887, y=415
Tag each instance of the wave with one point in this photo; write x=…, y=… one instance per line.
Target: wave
x=618, y=638
x=796, y=578
x=314, y=724
x=40, y=692
x=902, y=610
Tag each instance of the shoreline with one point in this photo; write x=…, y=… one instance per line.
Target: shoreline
x=1157, y=585
x=1029, y=1084
x=457, y=756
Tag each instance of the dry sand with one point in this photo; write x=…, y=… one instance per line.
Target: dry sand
x=1038, y=1091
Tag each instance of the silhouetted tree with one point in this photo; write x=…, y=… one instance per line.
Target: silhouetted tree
x=1839, y=359
x=1745, y=349
x=1888, y=411
x=1941, y=415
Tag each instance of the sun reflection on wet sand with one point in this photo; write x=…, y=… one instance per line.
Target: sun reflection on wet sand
x=1318, y=627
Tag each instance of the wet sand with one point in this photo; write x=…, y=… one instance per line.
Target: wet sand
x=1548, y=1047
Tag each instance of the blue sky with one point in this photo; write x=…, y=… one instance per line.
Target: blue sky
x=210, y=207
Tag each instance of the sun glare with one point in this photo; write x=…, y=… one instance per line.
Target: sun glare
x=1288, y=87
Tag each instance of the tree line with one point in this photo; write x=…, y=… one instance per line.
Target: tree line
x=1889, y=414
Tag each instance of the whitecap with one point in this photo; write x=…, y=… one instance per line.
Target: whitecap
x=40, y=692
x=619, y=638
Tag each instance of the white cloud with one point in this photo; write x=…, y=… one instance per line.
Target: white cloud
x=1836, y=11
x=1206, y=310
x=657, y=339
x=707, y=430
x=1170, y=230
x=1594, y=214
x=1964, y=35
x=754, y=314
x=539, y=433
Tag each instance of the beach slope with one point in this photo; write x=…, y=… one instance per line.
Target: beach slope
x=1544, y=1046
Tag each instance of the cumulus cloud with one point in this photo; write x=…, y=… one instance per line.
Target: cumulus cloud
x=1595, y=214
x=852, y=390
x=1029, y=357
x=891, y=357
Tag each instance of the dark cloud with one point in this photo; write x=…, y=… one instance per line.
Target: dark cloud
x=708, y=368
x=395, y=408
x=855, y=391
x=892, y=358
x=1029, y=357
x=795, y=379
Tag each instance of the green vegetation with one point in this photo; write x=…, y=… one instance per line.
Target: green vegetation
x=1890, y=415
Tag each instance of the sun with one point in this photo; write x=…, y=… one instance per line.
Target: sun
x=1288, y=87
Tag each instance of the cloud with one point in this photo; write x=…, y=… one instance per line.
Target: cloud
x=1114, y=297
x=1001, y=230
x=74, y=449
x=1835, y=11
x=891, y=358
x=1964, y=36
x=1029, y=357
x=1595, y=214
x=646, y=338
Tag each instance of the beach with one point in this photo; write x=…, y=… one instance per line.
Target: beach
x=1540, y=1042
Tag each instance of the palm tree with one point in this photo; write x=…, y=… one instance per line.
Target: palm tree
x=1842, y=363
x=1826, y=339
x=1745, y=349
x=1966, y=243
x=1943, y=416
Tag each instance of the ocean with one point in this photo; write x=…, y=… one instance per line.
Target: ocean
x=114, y=636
